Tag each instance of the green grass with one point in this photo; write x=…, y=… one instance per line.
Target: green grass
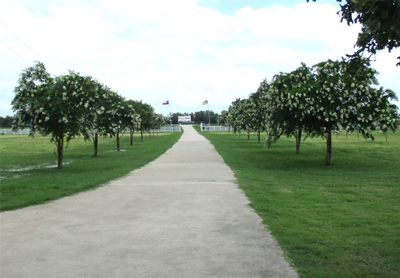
x=26, y=179
x=337, y=221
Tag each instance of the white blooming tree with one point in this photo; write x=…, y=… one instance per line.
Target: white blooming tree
x=159, y=120
x=223, y=118
x=117, y=114
x=146, y=112
x=132, y=120
x=288, y=104
x=344, y=97
x=234, y=118
x=98, y=108
x=259, y=107
x=248, y=116
x=50, y=106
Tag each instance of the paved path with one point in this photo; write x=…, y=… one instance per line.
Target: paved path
x=180, y=216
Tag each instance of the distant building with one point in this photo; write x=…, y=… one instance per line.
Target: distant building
x=185, y=120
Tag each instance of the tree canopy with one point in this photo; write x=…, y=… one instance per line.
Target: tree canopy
x=69, y=105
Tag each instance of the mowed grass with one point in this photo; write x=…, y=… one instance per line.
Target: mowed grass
x=28, y=176
x=337, y=221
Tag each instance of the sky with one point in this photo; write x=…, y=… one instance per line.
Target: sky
x=184, y=51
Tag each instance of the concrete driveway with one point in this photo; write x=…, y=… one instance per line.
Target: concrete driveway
x=182, y=215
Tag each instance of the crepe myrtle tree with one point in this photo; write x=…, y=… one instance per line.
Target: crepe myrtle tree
x=159, y=120
x=344, y=98
x=222, y=118
x=121, y=116
x=234, y=118
x=287, y=102
x=248, y=115
x=145, y=112
x=258, y=99
x=99, y=113
x=132, y=120
x=50, y=106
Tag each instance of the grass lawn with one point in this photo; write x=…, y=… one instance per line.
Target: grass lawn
x=338, y=221
x=28, y=176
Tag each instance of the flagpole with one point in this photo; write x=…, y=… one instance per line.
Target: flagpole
x=170, y=115
x=208, y=107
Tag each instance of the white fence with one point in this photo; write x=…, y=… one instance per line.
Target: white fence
x=167, y=129
x=9, y=131
x=163, y=129
x=214, y=128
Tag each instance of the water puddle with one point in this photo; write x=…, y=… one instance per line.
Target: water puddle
x=33, y=167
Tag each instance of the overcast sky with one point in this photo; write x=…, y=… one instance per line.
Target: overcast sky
x=184, y=51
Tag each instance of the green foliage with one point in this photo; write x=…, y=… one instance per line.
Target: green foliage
x=203, y=117
x=234, y=118
x=223, y=118
x=331, y=96
x=7, y=121
x=197, y=117
x=146, y=113
x=32, y=92
x=288, y=102
x=345, y=98
x=258, y=105
x=159, y=120
x=71, y=105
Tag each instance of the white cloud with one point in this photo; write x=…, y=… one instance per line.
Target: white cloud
x=176, y=50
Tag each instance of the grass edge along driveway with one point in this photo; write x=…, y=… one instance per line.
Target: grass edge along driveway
x=28, y=179
x=338, y=221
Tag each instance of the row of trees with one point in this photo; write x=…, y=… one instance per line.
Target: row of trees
x=198, y=117
x=316, y=101
x=70, y=105
x=6, y=121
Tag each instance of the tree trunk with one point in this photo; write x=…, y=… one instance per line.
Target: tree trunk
x=60, y=152
x=268, y=141
x=118, y=143
x=258, y=136
x=95, y=144
x=248, y=135
x=298, y=140
x=141, y=135
x=131, y=136
x=328, y=159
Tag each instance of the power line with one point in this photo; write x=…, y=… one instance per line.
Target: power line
x=27, y=46
x=23, y=59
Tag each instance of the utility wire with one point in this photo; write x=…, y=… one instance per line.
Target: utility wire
x=20, y=40
x=23, y=59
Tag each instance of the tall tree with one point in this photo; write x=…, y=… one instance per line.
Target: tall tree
x=344, y=98
x=146, y=112
x=258, y=99
x=287, y=102
x=50, y=106
x=222, y=118
x=234, y=118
